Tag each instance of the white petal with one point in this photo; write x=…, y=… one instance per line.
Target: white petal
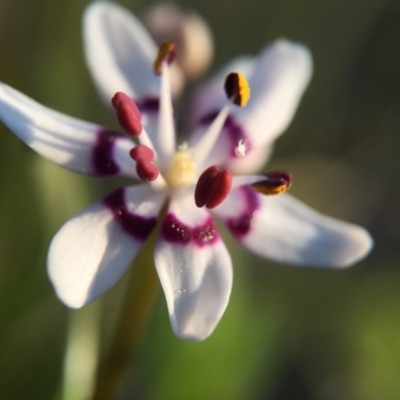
x=277, y=78
x=119, y=52
x=92, y=250
x=69, y=142
x=286, y=230
x=195, y=270
x=280, y=76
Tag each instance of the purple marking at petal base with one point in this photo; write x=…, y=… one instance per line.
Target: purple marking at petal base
x=102, y=155
x=241, y=225
x=137, y=226
x=233, y=129
x=174, y=231
x=149, y=105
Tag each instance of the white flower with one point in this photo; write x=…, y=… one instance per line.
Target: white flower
x=92, y=250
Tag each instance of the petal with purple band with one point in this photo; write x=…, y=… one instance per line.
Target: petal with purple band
x=278, y=78
x=92, y=250
x=208, y=101
x=278, y=81
x=195, y=269
x=284, y=229
x=69, y=142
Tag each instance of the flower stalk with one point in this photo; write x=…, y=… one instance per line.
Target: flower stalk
x=134, y=317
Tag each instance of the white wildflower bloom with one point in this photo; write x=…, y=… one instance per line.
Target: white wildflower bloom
x=92, y=250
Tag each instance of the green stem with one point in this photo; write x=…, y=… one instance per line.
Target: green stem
x=81, y=353
x=136, y=309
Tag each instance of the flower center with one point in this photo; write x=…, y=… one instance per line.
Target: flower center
x=182, y=170
x=162, y=166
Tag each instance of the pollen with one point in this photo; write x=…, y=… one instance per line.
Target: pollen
x=237, y=88
x=182, y=170
x=166, y=53
x=276, y=182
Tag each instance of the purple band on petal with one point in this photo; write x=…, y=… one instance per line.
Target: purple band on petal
x=241, y=225
x=175, y=231
x=135, y=225
x=149, y=105
x=232, y=129
x=102, y=156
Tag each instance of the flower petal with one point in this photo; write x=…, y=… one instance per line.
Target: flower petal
x=286, y=230
x=119, y=52
x=92, y=250
x=69, y=142
x=280, y=76
x=195, y=269
x=277, y=78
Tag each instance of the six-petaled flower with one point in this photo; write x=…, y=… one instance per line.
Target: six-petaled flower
x=194, y=181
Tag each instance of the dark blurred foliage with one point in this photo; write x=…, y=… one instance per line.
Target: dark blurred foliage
x=288, y=333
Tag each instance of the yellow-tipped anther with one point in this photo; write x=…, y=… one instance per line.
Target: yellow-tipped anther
x=276, y=182
x=237, y=88
x=166, y=53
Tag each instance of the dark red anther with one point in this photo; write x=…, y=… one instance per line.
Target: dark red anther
x=128, y=114
x=204, y=185
x=279, y=178
x=146, y=170
x=213, y=187
x=142, y=152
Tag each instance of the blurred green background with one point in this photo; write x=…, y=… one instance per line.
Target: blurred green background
x=288, y=333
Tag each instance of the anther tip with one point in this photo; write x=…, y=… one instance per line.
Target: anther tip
x=276, y=182
x=142, y=152
x=213, y=187
x=128, y=113
x=146, y=170
x=166, y=53
x=237, y=88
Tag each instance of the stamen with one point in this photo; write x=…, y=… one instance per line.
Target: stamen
x=128, y=114
x=213, y=187
x=129, y=117
x=166, y=54
x=142, y=152
x=146, y=170
x=208, y=140
x=166, y=126
x=237, y=88
x=238, y=92
x=275, y=182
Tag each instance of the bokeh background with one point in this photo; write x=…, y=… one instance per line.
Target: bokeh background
x=288, y=333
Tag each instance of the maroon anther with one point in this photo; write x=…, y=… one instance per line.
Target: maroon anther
x=279, y=178
x=142, y=152
x=146, y=170
x=213, y=187
x=128, y=114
